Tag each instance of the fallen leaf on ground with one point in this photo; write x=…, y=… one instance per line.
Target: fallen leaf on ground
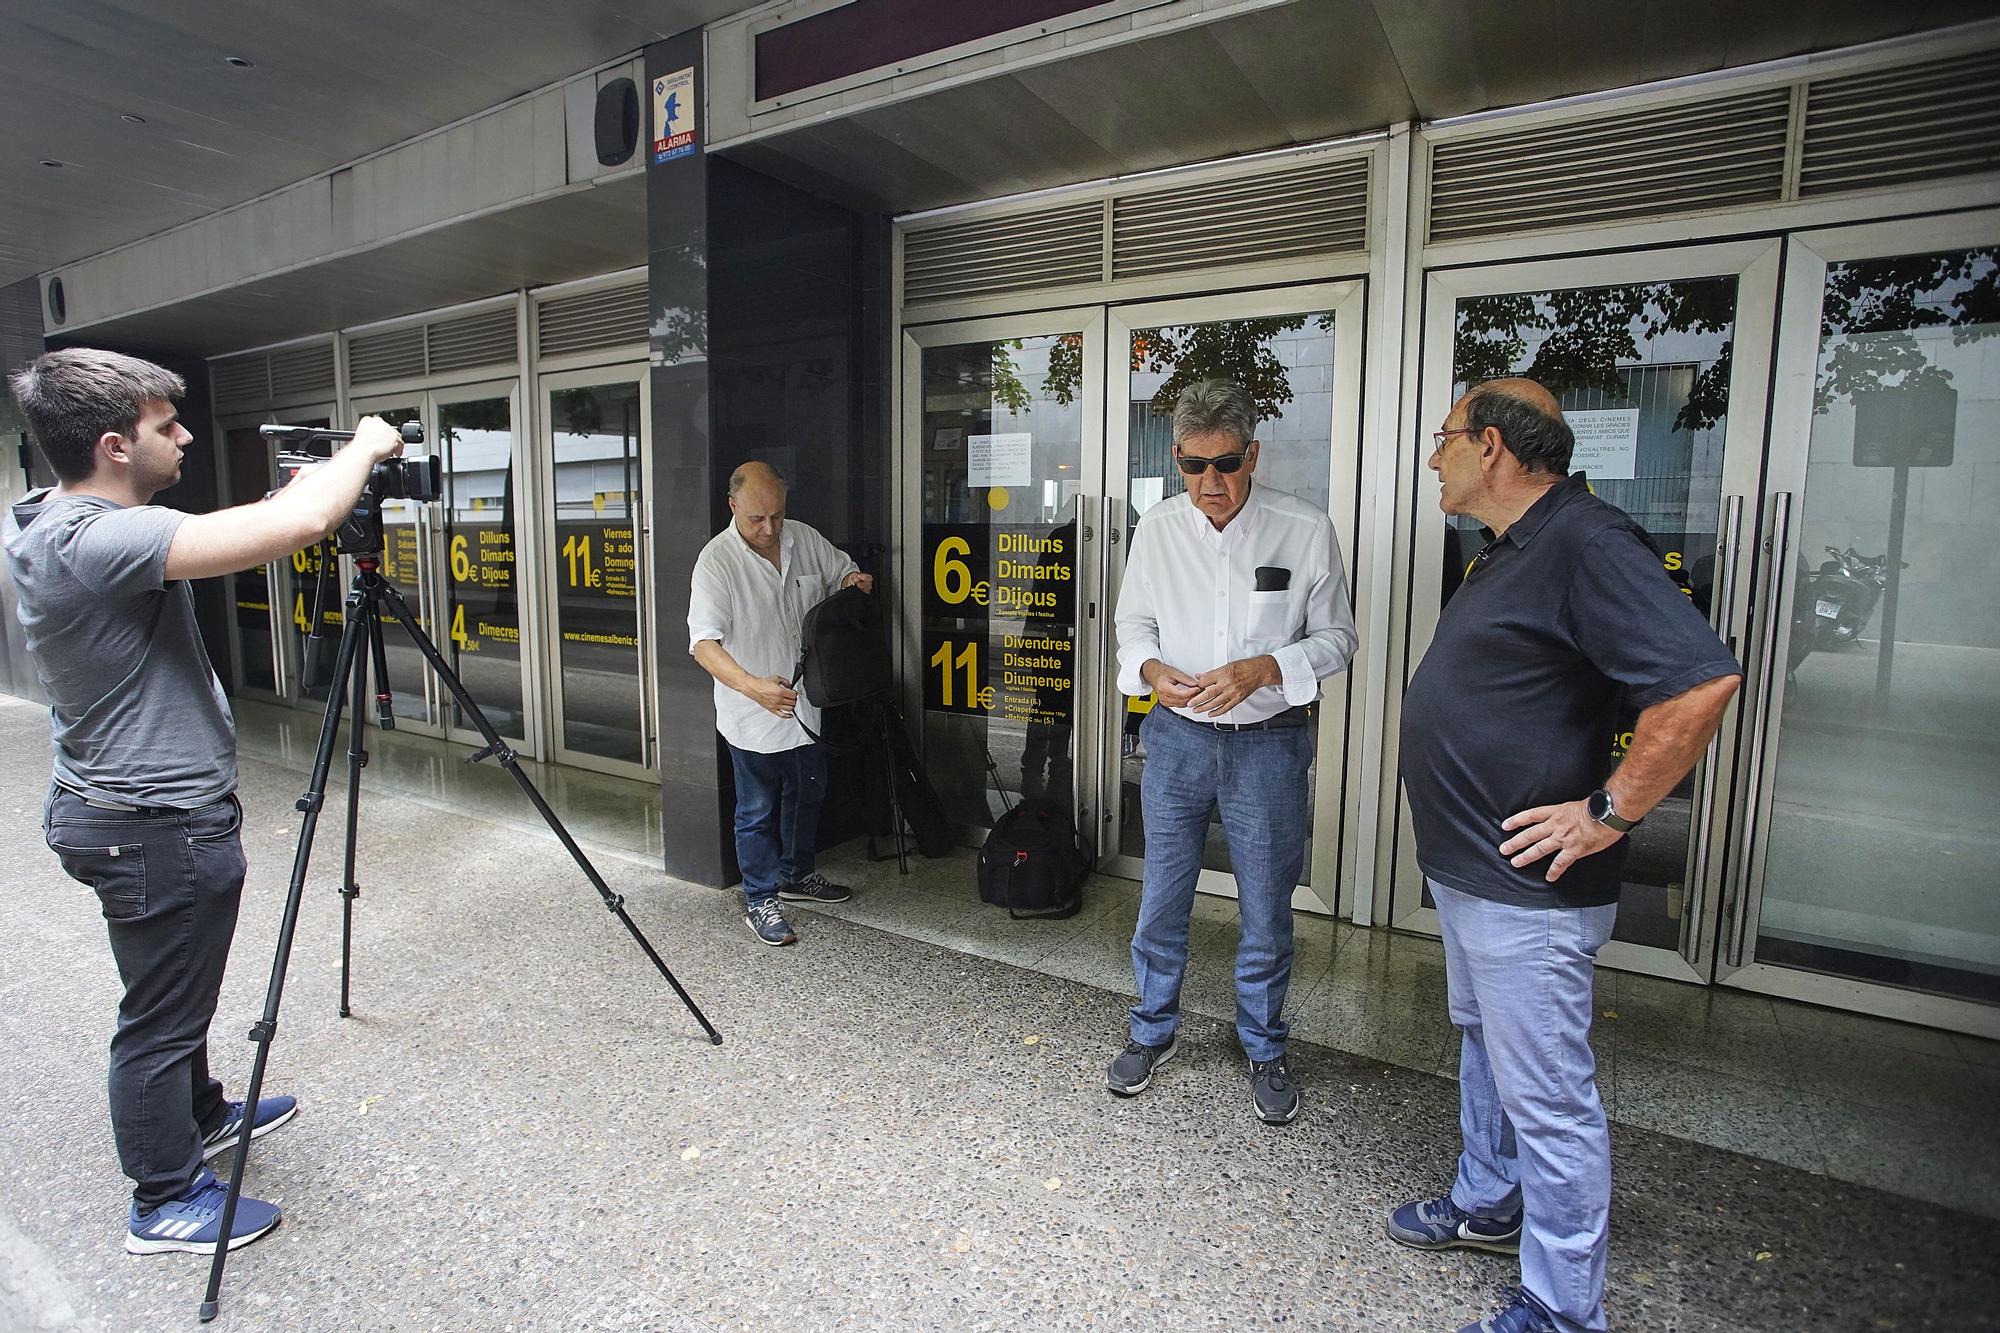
x=1030, y=1039
x=367, y=1102
x=1052, y=1183
x=689, y=1153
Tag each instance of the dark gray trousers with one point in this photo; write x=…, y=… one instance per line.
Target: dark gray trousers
x=169, y=883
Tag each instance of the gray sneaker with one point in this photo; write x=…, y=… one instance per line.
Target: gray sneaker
x=815, y=888
x=767, y=922
x=1132, y=1072
x=1273, y=1091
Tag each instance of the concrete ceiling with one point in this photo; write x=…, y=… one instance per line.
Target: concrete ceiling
x=1296, y=73
x=328, y=84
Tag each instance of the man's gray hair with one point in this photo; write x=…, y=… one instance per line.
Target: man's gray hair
x=1216, y=405
x=744, y=472
x=74, y=396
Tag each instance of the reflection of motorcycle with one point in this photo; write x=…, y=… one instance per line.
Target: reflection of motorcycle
x=1835, y=602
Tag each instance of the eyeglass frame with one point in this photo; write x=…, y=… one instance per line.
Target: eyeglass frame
x=1202, y=465
x=1438, y=437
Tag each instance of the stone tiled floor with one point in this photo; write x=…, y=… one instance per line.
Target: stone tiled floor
x=1879, y=1103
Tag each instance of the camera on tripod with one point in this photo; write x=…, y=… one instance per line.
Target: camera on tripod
x=360, y=533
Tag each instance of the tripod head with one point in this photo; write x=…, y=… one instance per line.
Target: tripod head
x=360, y=533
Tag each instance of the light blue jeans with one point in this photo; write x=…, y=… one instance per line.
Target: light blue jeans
x=1257, y=780
x=1536, y=1141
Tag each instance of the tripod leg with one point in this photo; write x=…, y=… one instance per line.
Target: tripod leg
x=384, y=591
x=357, y=759
x=266, y=1026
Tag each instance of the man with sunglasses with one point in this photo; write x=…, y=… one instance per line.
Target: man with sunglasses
x=1234, y=608
x=1520, y=825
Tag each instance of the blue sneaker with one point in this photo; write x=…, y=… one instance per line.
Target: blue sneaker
x=194, y=1221
x=271, y=1112
x=767, y=922
x=1440, y=1224
x=1521, y=1315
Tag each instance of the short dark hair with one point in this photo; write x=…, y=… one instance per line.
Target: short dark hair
x=73, y=396
x=1541, y=443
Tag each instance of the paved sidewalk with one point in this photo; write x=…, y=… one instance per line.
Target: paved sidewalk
x=521, y=1129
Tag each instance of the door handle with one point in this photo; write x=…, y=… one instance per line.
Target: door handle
x=1722, y=596
x=274, y=593
x=1771, y=645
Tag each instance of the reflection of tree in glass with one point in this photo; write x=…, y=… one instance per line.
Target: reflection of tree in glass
x=1232, y=349
x=578, y=411
x=1872, y=306
x=477, y=414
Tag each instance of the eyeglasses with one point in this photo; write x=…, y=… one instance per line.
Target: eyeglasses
x=1226, y=464
x=1438, y=437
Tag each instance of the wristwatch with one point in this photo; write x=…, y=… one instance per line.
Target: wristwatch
x=1599, y=805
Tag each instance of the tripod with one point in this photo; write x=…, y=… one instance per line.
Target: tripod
x=366, y=597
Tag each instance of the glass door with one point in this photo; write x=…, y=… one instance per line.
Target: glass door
x=595, y=426
x=1299, y=354
x=1659, y=361
x=1000, y=482
x=255, y=649
x=1872, y=850
x=474, y=533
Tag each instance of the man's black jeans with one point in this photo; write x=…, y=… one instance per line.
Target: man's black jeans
x=169, y=882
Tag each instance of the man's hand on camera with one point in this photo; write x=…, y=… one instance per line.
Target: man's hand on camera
x=378, y=438
x=774, y=693
x=865, y=582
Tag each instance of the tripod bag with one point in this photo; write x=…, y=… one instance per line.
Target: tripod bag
x=921, y=808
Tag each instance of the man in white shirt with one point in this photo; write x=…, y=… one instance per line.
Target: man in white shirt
x=1234, y=609
x=753, y=584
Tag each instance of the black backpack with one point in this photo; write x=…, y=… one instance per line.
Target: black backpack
x=843, y=655
x=1034, y=862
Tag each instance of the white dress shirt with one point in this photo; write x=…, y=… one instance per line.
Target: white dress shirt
x=754, y=610
x=1190, y=599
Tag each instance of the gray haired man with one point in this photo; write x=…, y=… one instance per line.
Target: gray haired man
x=1234, y=608
x=143, y=806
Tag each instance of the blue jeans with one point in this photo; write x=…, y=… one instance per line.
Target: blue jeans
x=1257, y=780
x=777, y=816
x=169, y=883
x=1536, y=1141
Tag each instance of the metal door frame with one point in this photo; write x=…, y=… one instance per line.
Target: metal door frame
x=1807, y=257
x=1093, y=612
x=1331, y=799
x=541, y=549
x=1756, y=266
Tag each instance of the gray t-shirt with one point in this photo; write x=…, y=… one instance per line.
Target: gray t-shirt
x=136, y=711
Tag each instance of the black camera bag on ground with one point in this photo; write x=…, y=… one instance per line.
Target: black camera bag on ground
x=843, y=654
x=1034, y=862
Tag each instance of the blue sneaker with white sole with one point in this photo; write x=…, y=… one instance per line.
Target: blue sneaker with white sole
x=1523, y=1314
x=271, y=1113
x=1440, y=1224
x=193, y=1222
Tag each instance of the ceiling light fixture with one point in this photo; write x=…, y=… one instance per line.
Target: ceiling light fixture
x=51, y=162
x=239, y=62
x=131, y=119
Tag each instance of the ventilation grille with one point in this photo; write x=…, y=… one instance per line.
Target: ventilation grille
x=394, y=355
x=1652, y=163
x=1050, y=247
x=1887, y=127
x=613, y=317
x=1312, y=210
x=240, y=381
x=302, y=372
x=474, y=340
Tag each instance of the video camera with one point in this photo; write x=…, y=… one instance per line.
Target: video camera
x=419, y=479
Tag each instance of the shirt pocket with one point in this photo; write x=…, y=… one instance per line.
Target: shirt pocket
x=1270, y=620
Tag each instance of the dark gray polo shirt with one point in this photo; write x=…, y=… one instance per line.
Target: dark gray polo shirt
x=1517, y=701
x=135, y=710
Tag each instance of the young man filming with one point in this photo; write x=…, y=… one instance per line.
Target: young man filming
x=143, y=806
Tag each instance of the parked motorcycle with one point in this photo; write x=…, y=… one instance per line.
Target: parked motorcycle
x=1835, y=602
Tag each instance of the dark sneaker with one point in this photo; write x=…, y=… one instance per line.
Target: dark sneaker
x=1132, y=1072
x=1273, y=1091
x=815, y=888
x=271, y=1112
x=767, y=922
x=193, y=1222
x=1522, y=1315
x=1440, y=1224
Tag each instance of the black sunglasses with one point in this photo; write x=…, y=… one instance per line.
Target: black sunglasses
x=1226, y=464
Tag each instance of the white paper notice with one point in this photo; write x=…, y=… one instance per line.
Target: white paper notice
x=999, y=460
x=1607, y=443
